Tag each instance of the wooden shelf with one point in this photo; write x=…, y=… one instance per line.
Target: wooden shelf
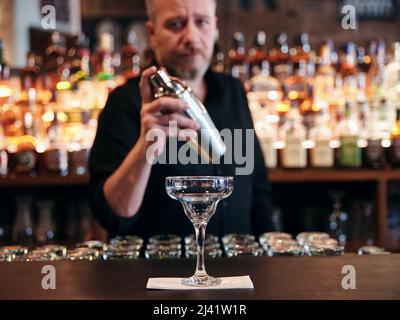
x=331, y=175
x=379, y=177
x=44, y=180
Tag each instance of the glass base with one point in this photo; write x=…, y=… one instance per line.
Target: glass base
x=204, y=281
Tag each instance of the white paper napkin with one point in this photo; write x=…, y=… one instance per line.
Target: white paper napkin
x=242, y=282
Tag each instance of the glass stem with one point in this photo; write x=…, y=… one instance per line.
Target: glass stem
x=200, y=230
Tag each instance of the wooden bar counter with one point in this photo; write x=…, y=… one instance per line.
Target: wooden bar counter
x=377, y=277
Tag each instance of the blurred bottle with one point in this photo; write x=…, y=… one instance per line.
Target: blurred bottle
x=363, y=67
x=30, y=73
x=24, y=149
x=374, y=153
x=377, y=73
x=258, y=56
x=349, y=152
x=324, y=81
x=301, y=50
x=264, y=94
x=3, y=154
x=45, y=231
x=297, y=88
x=267, y=134
x=80, y=148
x=393, y=78
x=105, y=81
x=130, y=57
x=293, y=133
x=4, y=68
x=218, y=61
x=239, y=67
x=277, y=219
x=56, y=155
x=338, y=219
x=322, y=154
x=279, y=58
x=22, y=233
x=348, y=71
x=394, y=151
x=54, y=58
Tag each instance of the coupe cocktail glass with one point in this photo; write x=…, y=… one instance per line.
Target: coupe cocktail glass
x=199, y=197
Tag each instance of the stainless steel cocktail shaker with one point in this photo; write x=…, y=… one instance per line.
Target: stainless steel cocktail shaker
x=212, y=146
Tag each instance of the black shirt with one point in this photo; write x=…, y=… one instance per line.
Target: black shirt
x=247, y=210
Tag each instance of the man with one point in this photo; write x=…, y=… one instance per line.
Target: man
x=127, y=192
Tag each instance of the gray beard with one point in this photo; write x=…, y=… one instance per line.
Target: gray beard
x=189, y=74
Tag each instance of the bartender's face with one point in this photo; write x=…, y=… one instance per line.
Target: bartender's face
x=182, y=34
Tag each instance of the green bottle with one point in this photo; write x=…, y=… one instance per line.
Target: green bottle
x=350, y=155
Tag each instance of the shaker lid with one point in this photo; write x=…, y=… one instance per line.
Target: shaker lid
x=162, y=79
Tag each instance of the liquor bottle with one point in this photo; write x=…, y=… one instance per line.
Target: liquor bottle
x=239, y=67
x=322, y=154
x=218, y=61
x=394, y=151
x=54, y=58
x=377, y=74
x=3, y=154
x=65, y=93
x=349, y=152
x=324, y=82
x=130, y=57
x=73, y=56
x=374, y=153
x=105, y=81
x=279, y=58
x=10, y=114
x=393, y=78
x=264, y=94
x=22, y=233
x=86, y=94
x=297, y=88
x=267, y=134
x=30, y=74
x=293, y=133
x=301, y=50
x=80, y=149
x=393, y=68
x=24, y=150
x=258, y=57
x=4, y=69
x=348, y=71
x=385, y=121
x=363, y=67
x=56, y=155
x=45, y=231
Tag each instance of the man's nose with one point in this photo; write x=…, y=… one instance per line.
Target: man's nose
x=191, y=34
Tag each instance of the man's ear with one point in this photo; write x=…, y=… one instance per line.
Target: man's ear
x=150, y=30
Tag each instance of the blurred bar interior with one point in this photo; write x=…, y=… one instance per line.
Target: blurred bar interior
x=325, y=103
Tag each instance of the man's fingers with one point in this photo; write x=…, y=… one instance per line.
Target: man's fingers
x=180, y=120
x=145, y=88
x=166, y=105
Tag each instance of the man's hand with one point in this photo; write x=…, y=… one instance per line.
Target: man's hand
x=157, y=114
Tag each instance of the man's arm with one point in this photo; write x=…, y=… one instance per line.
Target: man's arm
x=124, y=189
